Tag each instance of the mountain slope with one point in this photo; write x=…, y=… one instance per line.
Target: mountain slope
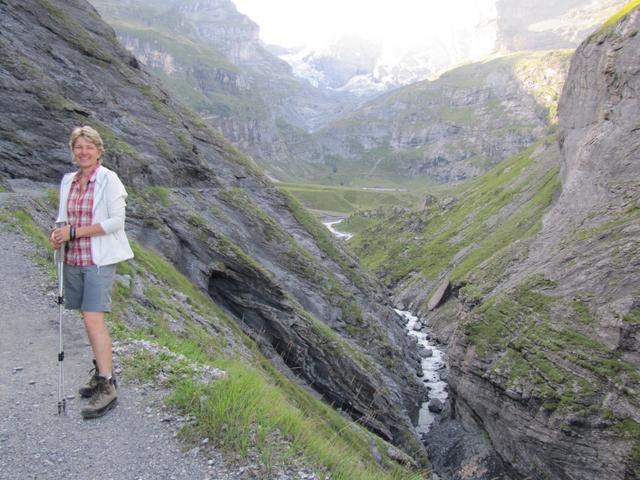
x=552, y=24
x=369, y=66
x=210, y=56
x=543, y=322
x=448, y=129
x=199, y=202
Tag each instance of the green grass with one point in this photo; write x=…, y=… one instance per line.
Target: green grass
x=338, y=199
x=248, y=404
x=254, y=397
x=165, y=150
x=395, y=244
x=152, y=262
x=633, y=316
x=324, y=239
x=22, y=221
x=523, y=334
x=74, y=33
x=608, y=229
x=161, y=195
x=356, y=224
x=524, y=223
x=143, y=366
x=617, y=16
x=53, y=198
x=583, y=312
x=630, y=428
x=115, y=146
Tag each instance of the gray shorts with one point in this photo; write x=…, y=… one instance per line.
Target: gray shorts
x=88, y=288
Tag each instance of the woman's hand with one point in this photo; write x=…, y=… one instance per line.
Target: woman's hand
x=59, y=236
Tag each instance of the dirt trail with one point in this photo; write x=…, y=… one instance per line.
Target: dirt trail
x=130, y=442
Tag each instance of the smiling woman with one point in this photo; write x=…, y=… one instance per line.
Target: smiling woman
x=91, y=212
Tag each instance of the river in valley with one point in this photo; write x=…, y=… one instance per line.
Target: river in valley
x=432, y=366
x=432, y=358
x=331, y=223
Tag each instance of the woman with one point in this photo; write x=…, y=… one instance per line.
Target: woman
x=92, y=207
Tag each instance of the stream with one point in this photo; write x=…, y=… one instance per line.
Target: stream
x=330, y=224
x=432, y=358
x=432, y=364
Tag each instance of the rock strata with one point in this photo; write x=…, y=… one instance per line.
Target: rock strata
x=582, y=271
x=203, y=205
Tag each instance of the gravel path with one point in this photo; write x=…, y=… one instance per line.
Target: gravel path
x=130, y=442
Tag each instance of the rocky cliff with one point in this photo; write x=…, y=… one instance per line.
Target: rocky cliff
x=560, y=355
x=542, y=324
x=449, y=129
x=203, y=205
x=210, y=57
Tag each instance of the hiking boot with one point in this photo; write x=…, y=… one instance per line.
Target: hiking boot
x=103, y=400
x=90, y=388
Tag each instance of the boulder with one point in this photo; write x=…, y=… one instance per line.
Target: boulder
x=440, y=295
x=426, y=352
x=435, y=405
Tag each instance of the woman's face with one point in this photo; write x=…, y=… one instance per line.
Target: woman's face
x=86, y=153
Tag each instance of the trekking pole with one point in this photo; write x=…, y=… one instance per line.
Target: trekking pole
x=62, y=405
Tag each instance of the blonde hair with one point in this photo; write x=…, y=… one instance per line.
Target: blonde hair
x=90, y=134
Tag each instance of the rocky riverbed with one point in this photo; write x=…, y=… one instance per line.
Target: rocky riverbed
x=433, y=373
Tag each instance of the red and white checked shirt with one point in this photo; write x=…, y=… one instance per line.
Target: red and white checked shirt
x=79, y=212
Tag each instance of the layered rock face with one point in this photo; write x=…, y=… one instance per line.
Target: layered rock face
x=218, y=22
x=548, y=367
x=205, y=206
x=450, y=129
x=209, y=55
x=544, y=319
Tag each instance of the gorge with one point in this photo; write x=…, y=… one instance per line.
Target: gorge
x=542, y=320
x=536, y=252
x=204, y=206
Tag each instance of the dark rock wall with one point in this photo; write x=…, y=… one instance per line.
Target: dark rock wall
x=599, y=120
x=578, y=423
x=205, y=206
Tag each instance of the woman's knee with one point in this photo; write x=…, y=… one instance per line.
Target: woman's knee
x=94, y=320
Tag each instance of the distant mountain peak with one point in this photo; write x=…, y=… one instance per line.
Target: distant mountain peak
x=367, y=67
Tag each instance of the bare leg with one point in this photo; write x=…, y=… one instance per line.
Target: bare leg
x=99, y=339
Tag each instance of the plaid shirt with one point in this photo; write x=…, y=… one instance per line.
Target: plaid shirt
x=79, y=212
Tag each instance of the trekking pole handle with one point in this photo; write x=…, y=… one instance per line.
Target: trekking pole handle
x=59, y=260
x=61, y=248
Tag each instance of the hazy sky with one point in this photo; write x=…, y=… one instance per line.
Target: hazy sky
x=304, y=22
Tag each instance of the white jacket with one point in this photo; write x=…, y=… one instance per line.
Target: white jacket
x=108, y=210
